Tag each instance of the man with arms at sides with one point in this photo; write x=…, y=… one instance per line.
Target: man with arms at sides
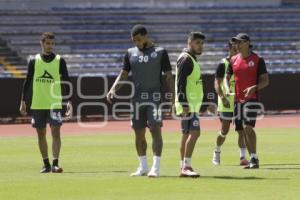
x=146, y=62
x=250, y=75
x=46, y=71
x=188, y=101
x=226, y=107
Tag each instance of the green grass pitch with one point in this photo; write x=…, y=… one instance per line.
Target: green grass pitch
x=98, y=167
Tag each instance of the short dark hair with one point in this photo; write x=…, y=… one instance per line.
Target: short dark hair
x=47, y=35
x=196, y=35
x=138, y=29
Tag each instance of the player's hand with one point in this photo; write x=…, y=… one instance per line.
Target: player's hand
x=171, y=109
x=227, y=93
x=250, y=91
x=211, y=109
x=172, y=106
x=23, y=108
x=69, y=111
x=186, y=111
x=225, y=102
x=110, y=96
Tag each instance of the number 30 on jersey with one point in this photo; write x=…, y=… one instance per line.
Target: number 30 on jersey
x=143, y=59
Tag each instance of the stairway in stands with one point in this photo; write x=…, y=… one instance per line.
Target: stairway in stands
x=8, y=61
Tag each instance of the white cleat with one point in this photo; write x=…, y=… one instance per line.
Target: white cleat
x=154, y=173
x=189, y=172
x=216, y=158
x=140, y=172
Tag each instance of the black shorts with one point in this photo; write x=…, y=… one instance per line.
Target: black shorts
x=226, y=116
x=146, y=114
x=245, y=114
x=41, y=117
x=190, y=123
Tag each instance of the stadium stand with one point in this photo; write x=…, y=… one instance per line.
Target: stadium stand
x=93, y=40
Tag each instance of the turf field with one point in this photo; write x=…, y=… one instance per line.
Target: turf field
x=97, y=167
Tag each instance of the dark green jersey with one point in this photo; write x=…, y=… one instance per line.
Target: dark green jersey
x=146, y=67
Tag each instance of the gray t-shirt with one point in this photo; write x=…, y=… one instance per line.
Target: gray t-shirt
x=147, y=66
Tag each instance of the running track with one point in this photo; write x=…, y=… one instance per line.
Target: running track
x=119, y=127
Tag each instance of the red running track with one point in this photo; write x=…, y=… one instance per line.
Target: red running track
x=124, y=126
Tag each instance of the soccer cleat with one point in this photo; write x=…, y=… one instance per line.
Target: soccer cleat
x=154, y=173
x=139, y=172
x=216, y=158
x=56, y=169
x=243, y=161
x=46, y=169
x=189, y=172
x=253, y=164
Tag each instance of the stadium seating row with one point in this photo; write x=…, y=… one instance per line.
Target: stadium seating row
x=93, y=40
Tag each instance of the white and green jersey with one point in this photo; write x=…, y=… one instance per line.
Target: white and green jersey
x=189, y=87
x=46, y=84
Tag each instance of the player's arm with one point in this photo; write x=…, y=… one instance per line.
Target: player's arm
x=116, y=86
x=219, y=77
x=170, y=85
x=167, y=69
x=185, y=68
x=26, y=86
x=263, y=79
x=67, y=87
x=229, y=73
x=170, y=88
x=121, y=77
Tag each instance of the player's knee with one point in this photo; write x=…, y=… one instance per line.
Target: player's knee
x=223, y=134
x=41, y=136
x=140, y=138
x=155, y=128
x=56, y=136
x=225, y=130
x=225, y=127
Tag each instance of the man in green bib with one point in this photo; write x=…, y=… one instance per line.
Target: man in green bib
x=226, y=108
x=188, y=101
x=46, y=73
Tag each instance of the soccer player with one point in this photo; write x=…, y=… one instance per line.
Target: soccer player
x=46, y=71
x=250, y=75
x=189, y=96
x=226, y=108
x=146, y=62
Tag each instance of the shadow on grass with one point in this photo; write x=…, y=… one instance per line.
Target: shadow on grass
x=94, y=172
x=281, y=168
x=285, y=166
x=266, y=165
x=226, y=178
x=281, y=164
x=242, y=178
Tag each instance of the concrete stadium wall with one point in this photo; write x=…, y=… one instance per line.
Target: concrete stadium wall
x=44, y=5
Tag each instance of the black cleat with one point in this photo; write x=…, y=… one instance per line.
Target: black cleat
x=56, y=169
x=253, y=164
x=46, y=169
